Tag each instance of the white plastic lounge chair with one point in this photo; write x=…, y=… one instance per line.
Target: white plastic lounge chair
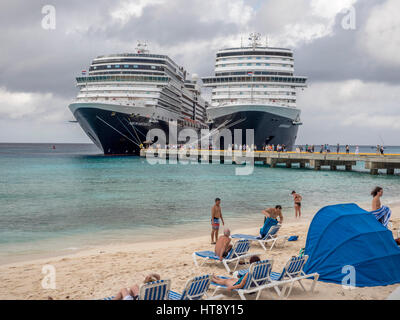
x=291, y=273
x=156, y=290
x=258, y=277
x=195, y=289
x=271, y=237
x=238, y=252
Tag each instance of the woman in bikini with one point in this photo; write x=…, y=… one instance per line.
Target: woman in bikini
x=234, y=283
x=297, y=203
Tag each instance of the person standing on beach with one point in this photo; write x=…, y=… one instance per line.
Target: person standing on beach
x=297, y=203
x=271, y=219
x=216, y=214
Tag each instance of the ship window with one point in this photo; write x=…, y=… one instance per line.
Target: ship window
x=249, y=64
x=135, y=66
x=126, y=66
x=258, y=64
x=108, y=66
x=117, y=66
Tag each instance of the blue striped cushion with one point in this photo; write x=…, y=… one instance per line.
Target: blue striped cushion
x=207, y=254
x=174, y=295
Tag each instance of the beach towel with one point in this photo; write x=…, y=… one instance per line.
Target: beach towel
x=269, y=222
x=293, y=238
x=383, y=215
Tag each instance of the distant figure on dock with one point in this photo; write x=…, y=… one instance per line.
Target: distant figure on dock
x=271, y=219
x=216, y=214
x=357, y=150
x=347, y=149
x=338, y=148
x=382, y=213
x=382, y=150
x=223, y=245
x=297, y=203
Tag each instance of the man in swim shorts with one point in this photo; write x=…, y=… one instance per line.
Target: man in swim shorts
x=216, y=215
x=297, y=203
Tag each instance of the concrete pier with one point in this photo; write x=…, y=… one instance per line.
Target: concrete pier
x=373, y=162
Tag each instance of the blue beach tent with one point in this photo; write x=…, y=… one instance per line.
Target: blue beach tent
x=345, y=235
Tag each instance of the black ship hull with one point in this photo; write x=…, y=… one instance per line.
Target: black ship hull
x=118, y=133
x=269, y=128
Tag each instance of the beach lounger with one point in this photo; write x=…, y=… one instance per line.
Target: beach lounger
x=194, y=289
x=156, y=290
x=238, y=252
x=259, y=276
x=291, y=273
x=271, y=237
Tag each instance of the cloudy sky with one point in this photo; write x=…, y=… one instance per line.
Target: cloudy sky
x=353, y=93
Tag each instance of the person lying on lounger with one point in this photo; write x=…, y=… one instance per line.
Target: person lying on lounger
x=223, y=246
x=132, y=293
x=234, y=283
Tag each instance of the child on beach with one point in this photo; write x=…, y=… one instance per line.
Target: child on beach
x=132, y=293
x=216, y=214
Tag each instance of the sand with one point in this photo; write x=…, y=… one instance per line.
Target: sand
x=98, y=273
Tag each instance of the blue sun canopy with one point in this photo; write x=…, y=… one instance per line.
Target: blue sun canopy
x=345, y=237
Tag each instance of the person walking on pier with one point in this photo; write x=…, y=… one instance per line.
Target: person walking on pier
x=347, y=149
x=338, y=148
x=216, y=214
x=297, y=203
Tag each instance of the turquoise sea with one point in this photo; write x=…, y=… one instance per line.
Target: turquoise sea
x=57, y=201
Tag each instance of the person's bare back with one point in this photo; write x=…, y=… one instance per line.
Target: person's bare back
x=222, y=246
x=274, y=213
x=376, y=201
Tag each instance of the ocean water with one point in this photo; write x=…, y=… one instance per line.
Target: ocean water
x=56, y=201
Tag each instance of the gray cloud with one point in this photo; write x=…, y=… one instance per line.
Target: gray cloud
x=41, y=62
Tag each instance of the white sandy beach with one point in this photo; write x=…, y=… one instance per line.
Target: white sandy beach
x=97, y=273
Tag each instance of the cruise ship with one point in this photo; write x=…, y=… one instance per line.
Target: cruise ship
x=123, y=96
x=254, y=87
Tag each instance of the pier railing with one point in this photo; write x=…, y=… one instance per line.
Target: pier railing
x=373, y=162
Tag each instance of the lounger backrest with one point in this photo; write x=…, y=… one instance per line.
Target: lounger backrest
x=196, y=288
x=156, y=290
x=259, y=273
x=294, y=267
x=272, y=232
x=239, y=248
